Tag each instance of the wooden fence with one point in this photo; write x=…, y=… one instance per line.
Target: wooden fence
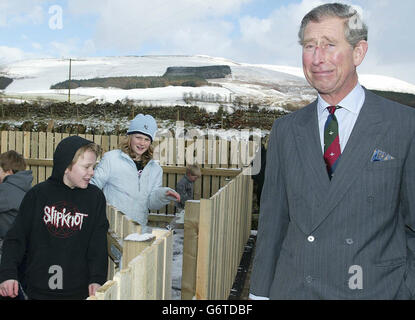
x=215, y=233
x=144, y=272
x=220, y=160
x=216, y=228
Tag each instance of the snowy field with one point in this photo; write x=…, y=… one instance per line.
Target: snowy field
x=269, y=85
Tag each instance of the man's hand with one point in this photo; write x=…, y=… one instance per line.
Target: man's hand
x=9, y=288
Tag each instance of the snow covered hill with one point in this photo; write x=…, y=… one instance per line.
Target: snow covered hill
x=264, y=85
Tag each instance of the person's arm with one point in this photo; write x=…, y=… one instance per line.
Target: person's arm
x=15, y=242
x=273, y=221
x=408, y=203
x=160, y=196
x=97, y=248
x=101, y=172
x=4, y=201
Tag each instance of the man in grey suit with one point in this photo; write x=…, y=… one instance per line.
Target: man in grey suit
x=338, y=205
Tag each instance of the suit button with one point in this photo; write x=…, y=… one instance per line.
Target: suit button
x=309, y=279
x=349, y=241
x=310, y=239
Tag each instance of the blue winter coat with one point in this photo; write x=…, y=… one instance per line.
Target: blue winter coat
x=129, y=191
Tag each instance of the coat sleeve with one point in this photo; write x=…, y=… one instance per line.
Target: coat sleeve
x=97, y=250
x=15, y=242
x=157, y=197
x=4, y=201
x=408, y=204
x=273, y=219
x=102, y=172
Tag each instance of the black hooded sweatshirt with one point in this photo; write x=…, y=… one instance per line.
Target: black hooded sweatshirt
x=62, y=233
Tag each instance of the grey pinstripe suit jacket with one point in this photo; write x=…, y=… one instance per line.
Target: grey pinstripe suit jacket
x=316, y=236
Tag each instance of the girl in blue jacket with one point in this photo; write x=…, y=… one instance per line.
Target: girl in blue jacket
x=129, y=177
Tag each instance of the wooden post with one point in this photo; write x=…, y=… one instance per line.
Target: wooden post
x=167, y=266
x=190, y=243
x=108, y=291
x=204, y=250
x=133, y=245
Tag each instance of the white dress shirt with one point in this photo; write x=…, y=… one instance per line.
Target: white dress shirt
x=346, y=117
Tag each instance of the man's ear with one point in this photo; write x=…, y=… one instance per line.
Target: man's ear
x=8, y=172
x=359, y=52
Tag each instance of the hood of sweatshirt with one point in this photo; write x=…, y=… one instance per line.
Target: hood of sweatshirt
x=21, y=179
x=64, y=154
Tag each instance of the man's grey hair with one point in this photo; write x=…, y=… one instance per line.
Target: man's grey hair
x=355, y=29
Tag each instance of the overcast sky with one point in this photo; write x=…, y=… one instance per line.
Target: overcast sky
x=252, y=31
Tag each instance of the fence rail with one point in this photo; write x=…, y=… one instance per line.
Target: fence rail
x=215, y=233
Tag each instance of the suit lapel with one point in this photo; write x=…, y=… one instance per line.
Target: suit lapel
x=357, y=153
x=309, y=151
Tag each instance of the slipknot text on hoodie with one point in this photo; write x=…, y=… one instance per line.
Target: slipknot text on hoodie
x=63, y=219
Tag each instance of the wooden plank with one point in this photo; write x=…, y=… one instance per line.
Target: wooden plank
x=235, y=145
x=105, y=144
x=156, y=148
x=49, y=152
x=34, y=153
x=42, y=155
x=12, y=140
x=215, y=179
x=4, y=141
x=128, y=226
x=190, y=247
x=124, y=280
x=19, y=142
x=204, y=253
x=132, y=248
x=113, y=142
x=150, y=282
x=108, y=291
x=26, y=144
x=180, y=152
x=111, y=268
x=138, y=269
x=171, y=178
x=158, y=265
x=206, y=180
x=118, y=222
x=167, y=266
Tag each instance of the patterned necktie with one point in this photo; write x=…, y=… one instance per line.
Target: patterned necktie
x=332, y=149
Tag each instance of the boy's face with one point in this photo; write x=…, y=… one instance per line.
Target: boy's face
x=4, y=174
x=81, y=172
x=192, y=178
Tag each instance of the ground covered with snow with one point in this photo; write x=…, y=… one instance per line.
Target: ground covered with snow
x=178, y=237
x=265, y=85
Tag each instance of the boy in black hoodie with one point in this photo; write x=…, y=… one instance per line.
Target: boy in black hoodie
x=62, y=230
